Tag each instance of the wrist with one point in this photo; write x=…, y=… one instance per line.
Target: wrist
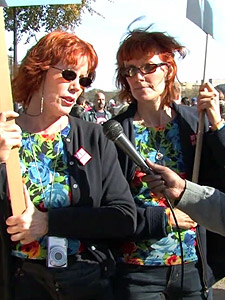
x=176, y=201
x=218, y=125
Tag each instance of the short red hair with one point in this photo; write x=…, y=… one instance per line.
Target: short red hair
x=50, y=49
x=139, y=43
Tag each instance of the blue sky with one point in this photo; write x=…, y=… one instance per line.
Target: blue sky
x=168, y=16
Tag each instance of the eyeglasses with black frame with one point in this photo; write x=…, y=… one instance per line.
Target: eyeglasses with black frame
x=145, y=69
x=70, y=75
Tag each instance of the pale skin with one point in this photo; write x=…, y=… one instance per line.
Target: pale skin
x=10, y=134
x=148, y=91
x=59, y=98
x=208, y=101
x=99, y=102
x=29, y=226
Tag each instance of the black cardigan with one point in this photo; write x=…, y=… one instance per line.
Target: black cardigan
x=102, y=205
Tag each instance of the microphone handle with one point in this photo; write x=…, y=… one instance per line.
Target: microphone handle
x=127, y=147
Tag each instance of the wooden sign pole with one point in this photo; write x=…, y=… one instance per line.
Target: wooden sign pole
x=12, y=165
x=200, y=132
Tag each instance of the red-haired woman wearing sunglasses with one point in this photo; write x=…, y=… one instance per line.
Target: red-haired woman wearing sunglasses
x=150, y=266
x=55, y=249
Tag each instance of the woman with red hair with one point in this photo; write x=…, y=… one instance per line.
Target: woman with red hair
x=53, y=249
x=160, y=262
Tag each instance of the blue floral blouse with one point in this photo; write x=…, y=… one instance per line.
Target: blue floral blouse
x=43, y=163
x=166, y=251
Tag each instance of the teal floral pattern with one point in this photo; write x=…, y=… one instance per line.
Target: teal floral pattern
x=43, y=163
x=165, y=251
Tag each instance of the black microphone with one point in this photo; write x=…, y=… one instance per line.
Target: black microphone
x=114, y=131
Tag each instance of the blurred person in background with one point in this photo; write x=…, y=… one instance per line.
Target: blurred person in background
x=185, y=101
x=98, y=114
x=193, y=101
x=79, y=108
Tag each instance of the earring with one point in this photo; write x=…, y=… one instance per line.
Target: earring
x=42, y=104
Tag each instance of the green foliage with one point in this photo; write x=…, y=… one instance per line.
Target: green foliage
x=30, y=19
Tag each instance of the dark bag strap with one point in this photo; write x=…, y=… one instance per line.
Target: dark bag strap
x=105, y=258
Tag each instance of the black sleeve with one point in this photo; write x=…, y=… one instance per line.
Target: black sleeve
x=115, y=217
x=151, y=223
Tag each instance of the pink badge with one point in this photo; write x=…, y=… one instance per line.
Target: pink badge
x=83, y=156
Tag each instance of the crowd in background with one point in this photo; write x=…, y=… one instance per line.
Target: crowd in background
x=115, y=107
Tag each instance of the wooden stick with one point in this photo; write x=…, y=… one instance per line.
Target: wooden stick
x=12, y=165
x=198, y=150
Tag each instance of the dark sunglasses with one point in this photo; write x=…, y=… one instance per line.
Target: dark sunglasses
x=145, y=69
x=70, y=75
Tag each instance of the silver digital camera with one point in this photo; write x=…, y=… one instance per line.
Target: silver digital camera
x=57, y=252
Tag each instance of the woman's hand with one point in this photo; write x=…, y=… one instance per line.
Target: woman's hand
x=183, y=220
x=29, y=226
x=10, y=134
x=208, y=100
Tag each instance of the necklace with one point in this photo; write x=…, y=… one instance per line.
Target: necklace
x=38, y=172
x=159, y=157
x=165, y=117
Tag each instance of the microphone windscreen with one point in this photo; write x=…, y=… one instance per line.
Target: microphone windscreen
x=112, y=129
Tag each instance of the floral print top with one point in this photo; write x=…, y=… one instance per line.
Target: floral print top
x=165, y=251
x=43, y=163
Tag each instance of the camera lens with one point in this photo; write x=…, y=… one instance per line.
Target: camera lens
x=58, y=256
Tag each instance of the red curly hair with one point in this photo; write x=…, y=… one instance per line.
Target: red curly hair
x=140, y=43
x=50, y=49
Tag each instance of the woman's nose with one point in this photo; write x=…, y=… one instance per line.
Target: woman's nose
x=139, y=74
x=74, y=86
